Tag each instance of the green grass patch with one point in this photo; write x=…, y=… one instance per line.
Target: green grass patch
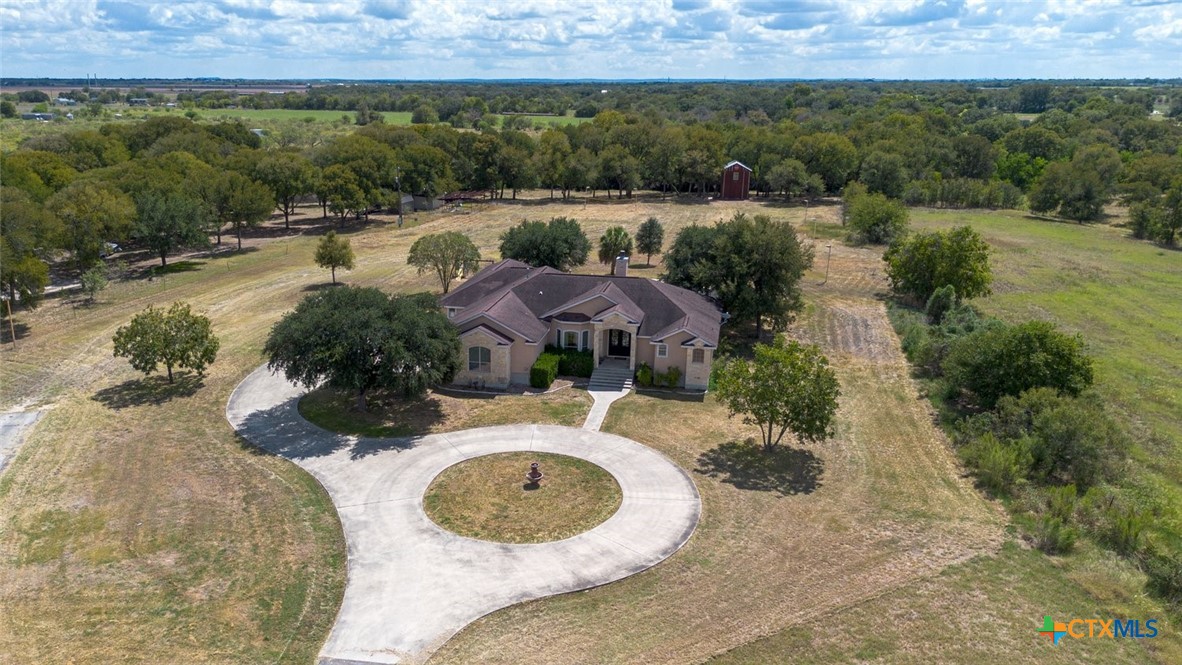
x=47, y=535
x=390, y=415
x=337, y=411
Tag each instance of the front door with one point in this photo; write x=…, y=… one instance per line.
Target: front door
x=619, y=343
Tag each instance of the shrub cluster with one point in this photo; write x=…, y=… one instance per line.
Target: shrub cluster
x=980, y=360
x=1045, y=437
x=875, y=218
x=646, y=377
x=1036, y=436
x=544, y=370
x=572, y=362
x=920, y=263
x=963, y=193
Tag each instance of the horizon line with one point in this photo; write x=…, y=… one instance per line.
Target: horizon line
x=84, y=79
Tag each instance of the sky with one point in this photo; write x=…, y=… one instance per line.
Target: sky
x=576, y=39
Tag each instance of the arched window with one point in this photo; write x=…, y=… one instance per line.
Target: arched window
x=479, y=359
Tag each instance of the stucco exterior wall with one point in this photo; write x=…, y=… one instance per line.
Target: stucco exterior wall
x=553, y=339
x=521, y=358
x=676, y=354
x=645, y=351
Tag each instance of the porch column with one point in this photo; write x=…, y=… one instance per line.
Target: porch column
x=595, y=330
x=632, y=349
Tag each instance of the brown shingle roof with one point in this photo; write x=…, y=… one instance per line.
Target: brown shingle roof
x=517, y=296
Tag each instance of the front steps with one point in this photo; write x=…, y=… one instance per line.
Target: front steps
x=611, y=378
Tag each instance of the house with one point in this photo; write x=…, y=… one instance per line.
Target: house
x=508, y=312
x=736, y=181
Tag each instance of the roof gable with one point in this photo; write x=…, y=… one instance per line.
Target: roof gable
x=520, y=298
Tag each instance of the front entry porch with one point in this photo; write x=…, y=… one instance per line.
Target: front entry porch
x=619, y=344
x=614, y=345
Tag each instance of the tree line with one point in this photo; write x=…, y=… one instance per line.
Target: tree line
x=170, y=182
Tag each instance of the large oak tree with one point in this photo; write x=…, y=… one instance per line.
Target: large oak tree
x=360, y=339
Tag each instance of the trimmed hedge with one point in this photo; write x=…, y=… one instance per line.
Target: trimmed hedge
x=572, y=362
x=544, y=371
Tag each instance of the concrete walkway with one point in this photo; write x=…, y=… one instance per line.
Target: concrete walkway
x=412, y=585
x=603, y=400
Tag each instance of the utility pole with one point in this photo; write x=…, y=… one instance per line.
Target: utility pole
x=398, y=182
x=828, y=259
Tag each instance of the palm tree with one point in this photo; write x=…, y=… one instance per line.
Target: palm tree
x=615, y=241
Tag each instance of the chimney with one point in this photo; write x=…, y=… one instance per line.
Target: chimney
x=621, y=269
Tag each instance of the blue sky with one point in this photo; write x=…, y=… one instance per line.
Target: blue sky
x=737, y=39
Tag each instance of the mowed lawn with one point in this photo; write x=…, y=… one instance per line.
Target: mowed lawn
x=134, y=524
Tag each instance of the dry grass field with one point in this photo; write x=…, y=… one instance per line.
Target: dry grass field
x=135, y=526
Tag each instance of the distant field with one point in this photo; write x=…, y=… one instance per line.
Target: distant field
x=391, y=117
x=13, y=131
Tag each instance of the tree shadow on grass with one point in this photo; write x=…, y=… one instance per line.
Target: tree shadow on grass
x=323, y=286
x=391, y=421
x=176, y=267
x=229, y=251
x=149, y=390
x=692, y=199
x=785, y=471
x=22, y=331
x=671, y=394
x=280, y=430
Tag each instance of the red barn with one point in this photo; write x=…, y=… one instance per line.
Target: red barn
x=736, y=181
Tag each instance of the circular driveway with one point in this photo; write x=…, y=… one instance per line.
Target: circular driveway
x=412, y=585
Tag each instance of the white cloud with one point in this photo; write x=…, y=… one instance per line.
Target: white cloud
x=587, y=38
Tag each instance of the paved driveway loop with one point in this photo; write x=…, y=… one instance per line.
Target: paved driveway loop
x=412, y=585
